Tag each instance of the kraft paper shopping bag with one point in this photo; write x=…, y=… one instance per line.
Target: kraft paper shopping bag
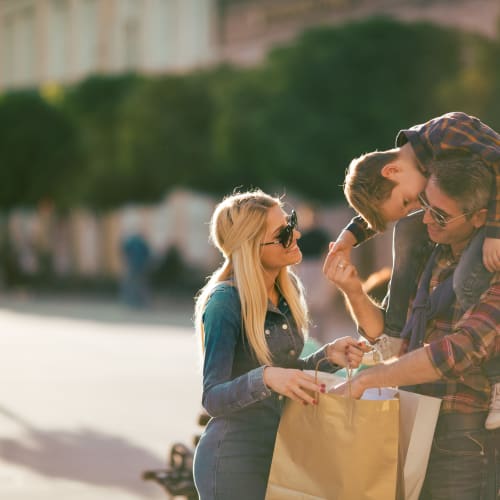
x=341, y=449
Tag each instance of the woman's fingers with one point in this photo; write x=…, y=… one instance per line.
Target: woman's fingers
x=302, y=387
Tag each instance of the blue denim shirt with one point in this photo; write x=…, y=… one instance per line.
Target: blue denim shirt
x=232, y=376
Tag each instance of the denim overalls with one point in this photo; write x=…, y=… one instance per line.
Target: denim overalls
x=233, y=457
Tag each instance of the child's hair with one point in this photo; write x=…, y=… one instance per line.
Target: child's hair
x=365, y=187
x=237, y=228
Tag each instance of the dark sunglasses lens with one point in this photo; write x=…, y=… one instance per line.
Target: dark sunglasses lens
x=285, y=236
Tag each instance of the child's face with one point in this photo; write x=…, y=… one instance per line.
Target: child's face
x=404, y=197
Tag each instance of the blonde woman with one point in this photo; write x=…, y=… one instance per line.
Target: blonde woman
x=251, y=317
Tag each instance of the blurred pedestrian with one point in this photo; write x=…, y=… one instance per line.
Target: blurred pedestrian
x=135, y=289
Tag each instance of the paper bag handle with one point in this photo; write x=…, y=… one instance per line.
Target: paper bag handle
x=350, y=405
x=348, y=378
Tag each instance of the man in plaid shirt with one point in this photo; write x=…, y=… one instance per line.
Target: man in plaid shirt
x=384, y=187
x=447, y=346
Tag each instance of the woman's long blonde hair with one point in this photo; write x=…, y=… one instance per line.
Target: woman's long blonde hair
x=237, y=228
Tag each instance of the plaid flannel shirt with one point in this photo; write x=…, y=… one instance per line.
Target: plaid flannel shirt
x=450, y=132
x=457, y=344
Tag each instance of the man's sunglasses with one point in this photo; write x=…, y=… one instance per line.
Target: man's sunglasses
x=285, y=236
x=439, y=218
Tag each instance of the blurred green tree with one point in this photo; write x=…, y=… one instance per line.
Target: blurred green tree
x=333, y=95
x=476, y=87
x=165, y=135
x=39, y=154
x=94, y=107
x=292, y=123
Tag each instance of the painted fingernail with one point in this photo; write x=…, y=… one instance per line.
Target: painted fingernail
x=315, y=402
x=322, y=389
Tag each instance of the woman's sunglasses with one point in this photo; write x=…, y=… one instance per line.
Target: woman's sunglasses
x=285, y=236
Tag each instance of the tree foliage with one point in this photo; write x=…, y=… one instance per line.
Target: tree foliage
x=292, y=123
x=38, y=151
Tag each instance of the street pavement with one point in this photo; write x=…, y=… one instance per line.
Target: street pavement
x=91, y=395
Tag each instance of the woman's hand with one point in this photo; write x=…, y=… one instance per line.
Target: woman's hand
x=292, y=383
x=346, y=351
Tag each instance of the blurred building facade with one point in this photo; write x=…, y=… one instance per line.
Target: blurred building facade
x=63, y=41
x=44, y=42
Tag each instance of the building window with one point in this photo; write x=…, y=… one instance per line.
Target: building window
x=131, y=34
x=58, y=40
x=18, y=48
x=88, y=42
x=8, y=51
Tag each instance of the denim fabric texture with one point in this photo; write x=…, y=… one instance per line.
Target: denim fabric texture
x=233, y=456
x=460, y=469
x=410, y=247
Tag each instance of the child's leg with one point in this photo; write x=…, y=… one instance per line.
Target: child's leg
x=410, y=239
x=492, y=369
x=471, y=278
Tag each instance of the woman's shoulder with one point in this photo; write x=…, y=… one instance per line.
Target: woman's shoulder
x=223, y=304
x=224, y=293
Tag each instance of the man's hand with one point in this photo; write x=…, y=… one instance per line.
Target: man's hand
x=355, y=391
x=342, y=273
x=491, y=254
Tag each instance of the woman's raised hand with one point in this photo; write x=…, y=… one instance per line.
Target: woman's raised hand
x=346, y=351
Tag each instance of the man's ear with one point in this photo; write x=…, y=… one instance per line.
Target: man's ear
x=390, y=170
x=479, y=218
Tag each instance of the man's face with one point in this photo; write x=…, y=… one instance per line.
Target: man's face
x=458, y=231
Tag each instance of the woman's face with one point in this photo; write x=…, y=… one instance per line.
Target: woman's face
x=274, y=257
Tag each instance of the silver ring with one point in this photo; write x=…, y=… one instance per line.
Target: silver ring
x=341, y=266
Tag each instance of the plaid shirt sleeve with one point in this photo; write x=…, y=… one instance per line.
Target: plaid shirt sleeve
x=459, y=132
x=474, y=338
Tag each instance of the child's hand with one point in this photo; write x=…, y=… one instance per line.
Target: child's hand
x=491, y=254
x=344, y=243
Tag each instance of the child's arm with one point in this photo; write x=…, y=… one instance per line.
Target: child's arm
x=355, y=233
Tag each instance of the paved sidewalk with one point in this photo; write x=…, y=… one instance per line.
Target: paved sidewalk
x=91, y=395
